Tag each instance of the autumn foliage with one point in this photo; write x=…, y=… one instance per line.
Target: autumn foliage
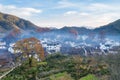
x=29, y=47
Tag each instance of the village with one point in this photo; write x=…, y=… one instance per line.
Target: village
x=68, y=47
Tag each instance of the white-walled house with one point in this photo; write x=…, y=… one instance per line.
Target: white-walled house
x=10, y=49
x=3, y=45
x=52, y=47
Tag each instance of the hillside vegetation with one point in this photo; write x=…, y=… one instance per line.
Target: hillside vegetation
x=61, y=67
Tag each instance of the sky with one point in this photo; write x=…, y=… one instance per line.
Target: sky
x=60, y=13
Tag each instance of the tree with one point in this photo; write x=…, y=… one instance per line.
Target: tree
x=29, y=48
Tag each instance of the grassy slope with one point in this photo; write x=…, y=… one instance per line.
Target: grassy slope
x=89, y=77
x=61, y=76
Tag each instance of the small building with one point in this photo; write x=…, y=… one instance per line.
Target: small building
x=3, y=45
x=52, y=47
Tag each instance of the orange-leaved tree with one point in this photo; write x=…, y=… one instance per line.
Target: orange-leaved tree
x=29, y=48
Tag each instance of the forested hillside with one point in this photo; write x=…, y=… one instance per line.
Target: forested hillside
x=57, y=67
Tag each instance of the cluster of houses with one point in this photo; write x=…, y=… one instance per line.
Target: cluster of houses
x=3, y=45
x=55, y=46
x=68, y=47
x=109, y=46
x=4, y=62
x=51, y=46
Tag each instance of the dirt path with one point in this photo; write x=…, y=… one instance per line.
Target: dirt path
x=8, y=72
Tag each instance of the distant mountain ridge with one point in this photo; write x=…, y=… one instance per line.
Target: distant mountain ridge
x=11, y=22
x=111, y=28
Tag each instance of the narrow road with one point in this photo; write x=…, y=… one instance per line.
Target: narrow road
x=8, y=72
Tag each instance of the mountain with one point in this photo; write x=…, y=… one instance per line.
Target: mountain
x=9, y=22
x=74, y=30
x=110, y=29
x=12, y=27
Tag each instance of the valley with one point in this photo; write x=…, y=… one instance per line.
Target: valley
x=30, y=52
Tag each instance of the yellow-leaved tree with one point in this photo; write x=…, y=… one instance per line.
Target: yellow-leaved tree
x=29, y=48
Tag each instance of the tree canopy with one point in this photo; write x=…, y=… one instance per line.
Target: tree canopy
x=29, y=48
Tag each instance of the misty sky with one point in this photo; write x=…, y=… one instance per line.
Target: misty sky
x=59, y=13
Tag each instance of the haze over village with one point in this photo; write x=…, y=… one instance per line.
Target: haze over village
x=59, y=40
